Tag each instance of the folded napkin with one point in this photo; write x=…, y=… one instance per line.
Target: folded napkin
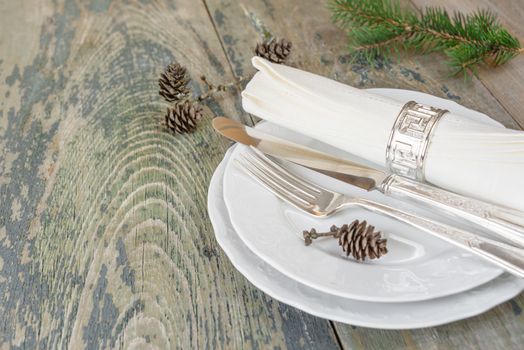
x=476, y=157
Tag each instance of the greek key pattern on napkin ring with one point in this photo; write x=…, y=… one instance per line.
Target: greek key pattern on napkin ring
x=409, y=139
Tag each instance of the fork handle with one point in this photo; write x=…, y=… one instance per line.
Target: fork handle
x=506, y=223
x=501, y=254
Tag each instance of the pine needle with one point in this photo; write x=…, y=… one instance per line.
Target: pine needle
x=383, y=28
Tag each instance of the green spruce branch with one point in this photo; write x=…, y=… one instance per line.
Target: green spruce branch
x=382, y=28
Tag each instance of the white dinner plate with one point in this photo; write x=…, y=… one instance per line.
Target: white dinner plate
x=417, y=267
x=359, y=313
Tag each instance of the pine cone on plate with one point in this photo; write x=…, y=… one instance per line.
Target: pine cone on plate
x=183, y=117
x=358, y=239
x=173, y=83
x=274, y=51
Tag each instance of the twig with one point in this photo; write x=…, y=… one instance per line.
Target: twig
x=213, y=89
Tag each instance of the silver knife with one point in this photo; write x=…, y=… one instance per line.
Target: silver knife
x=505, y=222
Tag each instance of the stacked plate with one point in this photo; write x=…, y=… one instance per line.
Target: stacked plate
x=421, y=282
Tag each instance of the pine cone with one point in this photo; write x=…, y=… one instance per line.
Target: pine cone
x=274, y=51
x=360, y=240
x=173, y=83
x=183, y=117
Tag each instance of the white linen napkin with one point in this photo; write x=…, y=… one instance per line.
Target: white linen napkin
x=475, y=157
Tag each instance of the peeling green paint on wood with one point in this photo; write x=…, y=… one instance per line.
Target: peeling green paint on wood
x=104, y=236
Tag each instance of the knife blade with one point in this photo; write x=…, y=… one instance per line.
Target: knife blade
x=344, y=170
x=505, y=222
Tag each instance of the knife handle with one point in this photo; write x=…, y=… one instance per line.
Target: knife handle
x=505, y=222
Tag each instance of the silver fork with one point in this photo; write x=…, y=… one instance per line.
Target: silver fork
x=322, y=202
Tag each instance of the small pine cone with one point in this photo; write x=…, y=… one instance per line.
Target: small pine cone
x=173, y=83
x=183, y=117
x=274, y=51
x=360, y=240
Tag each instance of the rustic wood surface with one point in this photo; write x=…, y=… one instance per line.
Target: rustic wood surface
x=105, y=240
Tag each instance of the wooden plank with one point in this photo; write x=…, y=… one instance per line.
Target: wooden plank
x=105, y=239
x=500, y=328
x=506, y=83
x=320, y=47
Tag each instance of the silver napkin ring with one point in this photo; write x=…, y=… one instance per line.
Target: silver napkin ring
x=409, y=139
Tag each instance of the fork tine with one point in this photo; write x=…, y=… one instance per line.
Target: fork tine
x=273, y=181
x=277, y=177
x=290, y=178
x=277, y=189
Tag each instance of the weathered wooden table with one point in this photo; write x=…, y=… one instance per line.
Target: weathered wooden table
x=104, y=236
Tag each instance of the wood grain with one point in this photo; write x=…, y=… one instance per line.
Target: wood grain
x=105, y=240
x=320, y=47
